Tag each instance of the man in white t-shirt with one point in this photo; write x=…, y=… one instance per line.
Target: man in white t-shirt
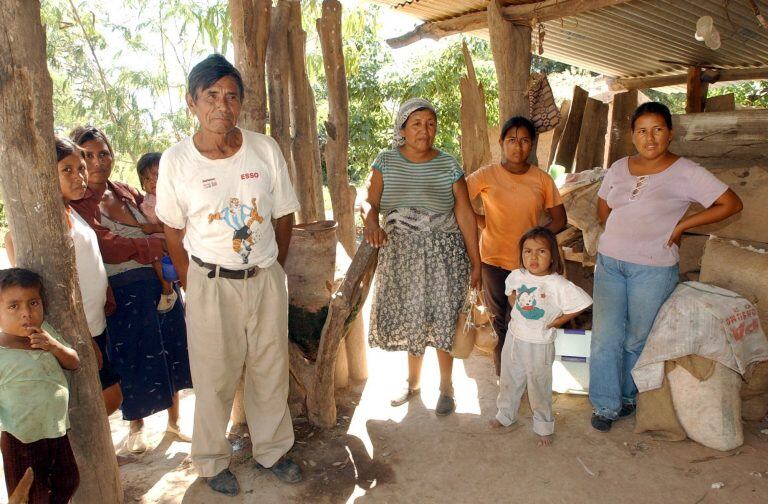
x=218, y=193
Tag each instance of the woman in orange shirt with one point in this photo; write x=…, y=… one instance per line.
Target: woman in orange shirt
x=514, y=193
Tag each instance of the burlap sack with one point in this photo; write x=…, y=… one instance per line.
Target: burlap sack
x=656, y=413
x=754, y=394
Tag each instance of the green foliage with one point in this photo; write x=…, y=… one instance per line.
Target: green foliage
x=127, y=76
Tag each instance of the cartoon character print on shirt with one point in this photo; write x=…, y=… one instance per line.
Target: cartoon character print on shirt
x=526, y=303
x=240, y=217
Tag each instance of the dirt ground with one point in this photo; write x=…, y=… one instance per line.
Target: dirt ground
x=383, y=454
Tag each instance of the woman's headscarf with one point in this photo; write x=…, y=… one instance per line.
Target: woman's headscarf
x=406, y=109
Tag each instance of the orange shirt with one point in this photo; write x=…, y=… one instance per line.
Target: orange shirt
x=513, y=204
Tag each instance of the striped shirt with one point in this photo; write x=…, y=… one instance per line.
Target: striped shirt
x=427, y=185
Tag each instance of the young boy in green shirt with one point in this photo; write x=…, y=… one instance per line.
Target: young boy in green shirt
x=33, y=392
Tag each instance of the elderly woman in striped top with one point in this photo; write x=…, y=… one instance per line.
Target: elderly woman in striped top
x=418, y=211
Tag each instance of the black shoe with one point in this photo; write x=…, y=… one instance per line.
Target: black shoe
x=601, y=423
x=225, y=482
x=627, y=410
x=445, y=405
x=286, y=470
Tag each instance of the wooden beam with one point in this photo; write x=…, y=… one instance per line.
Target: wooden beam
x=511, y=47
x=725, y=75
x=589, y=152
x=696, y=92
x=619, y=134
x=518, y=14
x=566, y=150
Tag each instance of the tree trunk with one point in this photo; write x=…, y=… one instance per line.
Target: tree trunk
x=511, y=46
x=337, y=127
x=35, y=214
x=305, y=147
x=279, y=76
x=475, y=148
x=250, y=35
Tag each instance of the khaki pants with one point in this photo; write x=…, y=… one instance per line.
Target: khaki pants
x=231, y=325
x=525, y=364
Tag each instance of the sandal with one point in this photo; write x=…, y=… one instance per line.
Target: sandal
x=136, y=442
x=405, y=396
x=175, y=431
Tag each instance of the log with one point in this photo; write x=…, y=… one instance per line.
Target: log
x=36, y=217
x=355, y=342
x=336, y=151
x=591, y=145
x=696, y=92
x=723, y=75
x=279, y=77
x=475, y=148
x=346, y=303
x=250, y=36
x=557, y=132
x=566, y=150
x=619, y=131
x=511, y=47
x=304, y=144
x=722, y=103
x=735, y=139
x=520, y=14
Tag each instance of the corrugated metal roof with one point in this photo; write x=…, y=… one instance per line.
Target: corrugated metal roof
x=636, y=38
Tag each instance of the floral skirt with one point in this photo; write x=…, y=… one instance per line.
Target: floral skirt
x=421, y=282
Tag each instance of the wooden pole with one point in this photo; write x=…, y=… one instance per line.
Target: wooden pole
x=696, y=92
x=337, y=126
x=250, y=35
x=511, y=47
x=719, y=75
x=36, y=216
x=279, y=77
x=305, y=147
x=475, y=148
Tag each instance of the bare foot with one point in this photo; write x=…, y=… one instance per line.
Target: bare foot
x=495, y=424
x=544, y=441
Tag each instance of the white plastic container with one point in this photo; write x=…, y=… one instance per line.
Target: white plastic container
x=570, y=371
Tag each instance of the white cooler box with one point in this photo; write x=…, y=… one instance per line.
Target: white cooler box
x=570, y=371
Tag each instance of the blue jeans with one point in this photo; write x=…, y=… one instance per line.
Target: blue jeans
x=627, y=297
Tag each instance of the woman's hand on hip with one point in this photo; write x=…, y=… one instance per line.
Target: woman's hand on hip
x=675, y=237
x=374, y=235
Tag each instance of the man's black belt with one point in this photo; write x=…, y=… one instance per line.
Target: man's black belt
x=226, y=273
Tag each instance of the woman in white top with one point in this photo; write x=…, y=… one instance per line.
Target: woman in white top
x=92, y=276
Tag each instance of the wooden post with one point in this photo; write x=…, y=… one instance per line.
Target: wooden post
x=590, y=149
x=250, y=35
x=511, y=47
x=557, y=133
x=566, y=150
x=304, y=146
x=337, y=126
x=475, y=148
x=346, y=302
x=35, y=211
x=619, y=128
x=279, y=77
x=696, y=92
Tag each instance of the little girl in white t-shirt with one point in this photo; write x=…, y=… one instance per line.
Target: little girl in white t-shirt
x=541, y=300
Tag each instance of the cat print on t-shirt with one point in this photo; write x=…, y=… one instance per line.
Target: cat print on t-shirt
x=526, y=303
x=240, y=217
